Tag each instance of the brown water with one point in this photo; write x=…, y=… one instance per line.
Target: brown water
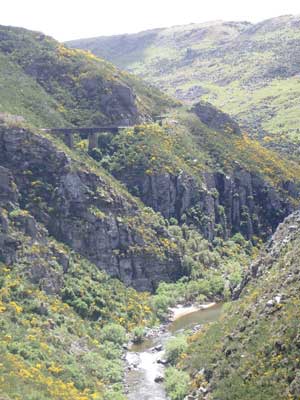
x=140, y=380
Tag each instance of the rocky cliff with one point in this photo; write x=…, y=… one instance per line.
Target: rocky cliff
x=198, y=168
x=224, y=205
x=82, y=208
x=207, y=174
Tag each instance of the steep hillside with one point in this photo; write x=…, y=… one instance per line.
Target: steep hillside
x=62, y=320
x=63, y=222
x=52, y=86
x=249, y=71
x=86, y=209
x=253, y=351
x=215, y=179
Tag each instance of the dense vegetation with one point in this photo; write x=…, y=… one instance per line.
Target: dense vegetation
x=191, y=146
x=249, y=71
x=53, y=347
x=253, y=351
x=63, y=321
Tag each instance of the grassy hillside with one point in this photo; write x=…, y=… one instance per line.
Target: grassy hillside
x=190, y=145
x=61, y=86
x=21, y=95
x=249, y=71
x=50, y=349
x=51, y=85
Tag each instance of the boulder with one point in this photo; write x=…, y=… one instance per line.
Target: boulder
x=159, y=379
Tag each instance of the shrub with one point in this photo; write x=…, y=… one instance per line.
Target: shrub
x=96, y=154
x=195, y=288
x=160, y=304
x=138, y=334
x=176, y=383
x=113, y=333
x=217, y=285
x=174, y=348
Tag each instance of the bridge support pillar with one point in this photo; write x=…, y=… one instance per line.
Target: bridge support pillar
x=93, y=141
x=68, y=139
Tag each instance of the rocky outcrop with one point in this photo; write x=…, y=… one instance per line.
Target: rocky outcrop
x=215, y=119
x=169, y=194
x=8, y=243
x=84, y=90
x=8, y=196
x=244, y=202
x=85, y=210
x=8, y=190
x=223, y=205
x=285, y=234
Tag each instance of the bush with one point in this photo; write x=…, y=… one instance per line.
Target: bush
x=96, y=154
x=195, y=288
x=138, y=334
x=160, y=304
x=174, y=348
x=111, y=351
x=217, y=285
x=113, y=333
x=176, y=383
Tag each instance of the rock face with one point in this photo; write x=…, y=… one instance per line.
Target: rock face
x=215, y=119
x=8, y=196
x=286, y=233
x=80, y=208
x=224, y=205
x=73, y=88
x=116, y=101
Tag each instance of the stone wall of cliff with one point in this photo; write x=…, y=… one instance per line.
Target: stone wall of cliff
x=83, y=209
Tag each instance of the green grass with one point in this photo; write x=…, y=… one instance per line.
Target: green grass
x=21, y=95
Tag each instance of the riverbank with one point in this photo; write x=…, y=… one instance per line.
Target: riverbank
x=146, y=361
x=181, y=310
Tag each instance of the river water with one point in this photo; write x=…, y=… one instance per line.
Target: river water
x=140, y=379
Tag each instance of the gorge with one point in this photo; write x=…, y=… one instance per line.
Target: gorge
x=119, y=202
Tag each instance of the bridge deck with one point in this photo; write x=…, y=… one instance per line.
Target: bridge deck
x=88, y=130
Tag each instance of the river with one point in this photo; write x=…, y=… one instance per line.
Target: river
x=140, y=379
